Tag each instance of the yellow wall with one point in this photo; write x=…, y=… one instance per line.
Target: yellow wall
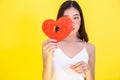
x=21, y=36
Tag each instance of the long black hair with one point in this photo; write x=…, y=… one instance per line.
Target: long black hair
x=68, y=4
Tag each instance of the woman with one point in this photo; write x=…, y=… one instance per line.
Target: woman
x=72, y=58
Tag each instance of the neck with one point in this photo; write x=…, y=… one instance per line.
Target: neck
x=72, y=39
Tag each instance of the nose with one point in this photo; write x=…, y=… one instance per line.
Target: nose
x=73, y=22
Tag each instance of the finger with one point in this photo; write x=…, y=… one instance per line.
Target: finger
x=49, y=41
x=81, y=68
x=85, y=67
x=78, y=69
x=79, y=72
x=76, y=65
x=49, y=45
x=53, y=40
x=51, y=48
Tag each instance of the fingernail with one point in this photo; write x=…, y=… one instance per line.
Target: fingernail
x=53, y=40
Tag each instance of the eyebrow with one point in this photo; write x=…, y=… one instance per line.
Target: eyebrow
x=65, y=15
x=76, y=15
x=73, y=15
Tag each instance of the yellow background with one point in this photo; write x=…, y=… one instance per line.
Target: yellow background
x=21, y=36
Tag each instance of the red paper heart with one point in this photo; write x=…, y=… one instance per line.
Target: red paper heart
x=59, y=29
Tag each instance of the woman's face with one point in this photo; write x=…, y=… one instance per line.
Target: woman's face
x=74, y=15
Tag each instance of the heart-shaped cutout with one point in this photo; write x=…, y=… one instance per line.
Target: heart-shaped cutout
x=59, y=29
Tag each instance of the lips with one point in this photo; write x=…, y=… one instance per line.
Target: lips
x=73, y=28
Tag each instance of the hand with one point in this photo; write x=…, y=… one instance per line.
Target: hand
x=80, y=67
x=49, y=46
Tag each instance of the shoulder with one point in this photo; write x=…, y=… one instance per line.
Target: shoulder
x=91, y=52
x=90, y=48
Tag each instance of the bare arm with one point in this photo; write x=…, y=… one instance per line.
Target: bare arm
x=90, y=75
x=87, y=69
x=47, y=52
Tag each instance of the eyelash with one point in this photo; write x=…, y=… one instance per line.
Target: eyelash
x=76, y=17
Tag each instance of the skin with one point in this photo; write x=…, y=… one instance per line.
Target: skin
x=71, y=46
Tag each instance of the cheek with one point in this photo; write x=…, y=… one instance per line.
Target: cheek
x=77, y=23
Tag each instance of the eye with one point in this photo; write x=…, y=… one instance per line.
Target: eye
x=76, y=17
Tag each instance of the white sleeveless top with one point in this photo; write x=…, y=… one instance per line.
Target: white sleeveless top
x=62, y=62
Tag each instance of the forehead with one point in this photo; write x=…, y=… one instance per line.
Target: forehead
x=71, y=11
